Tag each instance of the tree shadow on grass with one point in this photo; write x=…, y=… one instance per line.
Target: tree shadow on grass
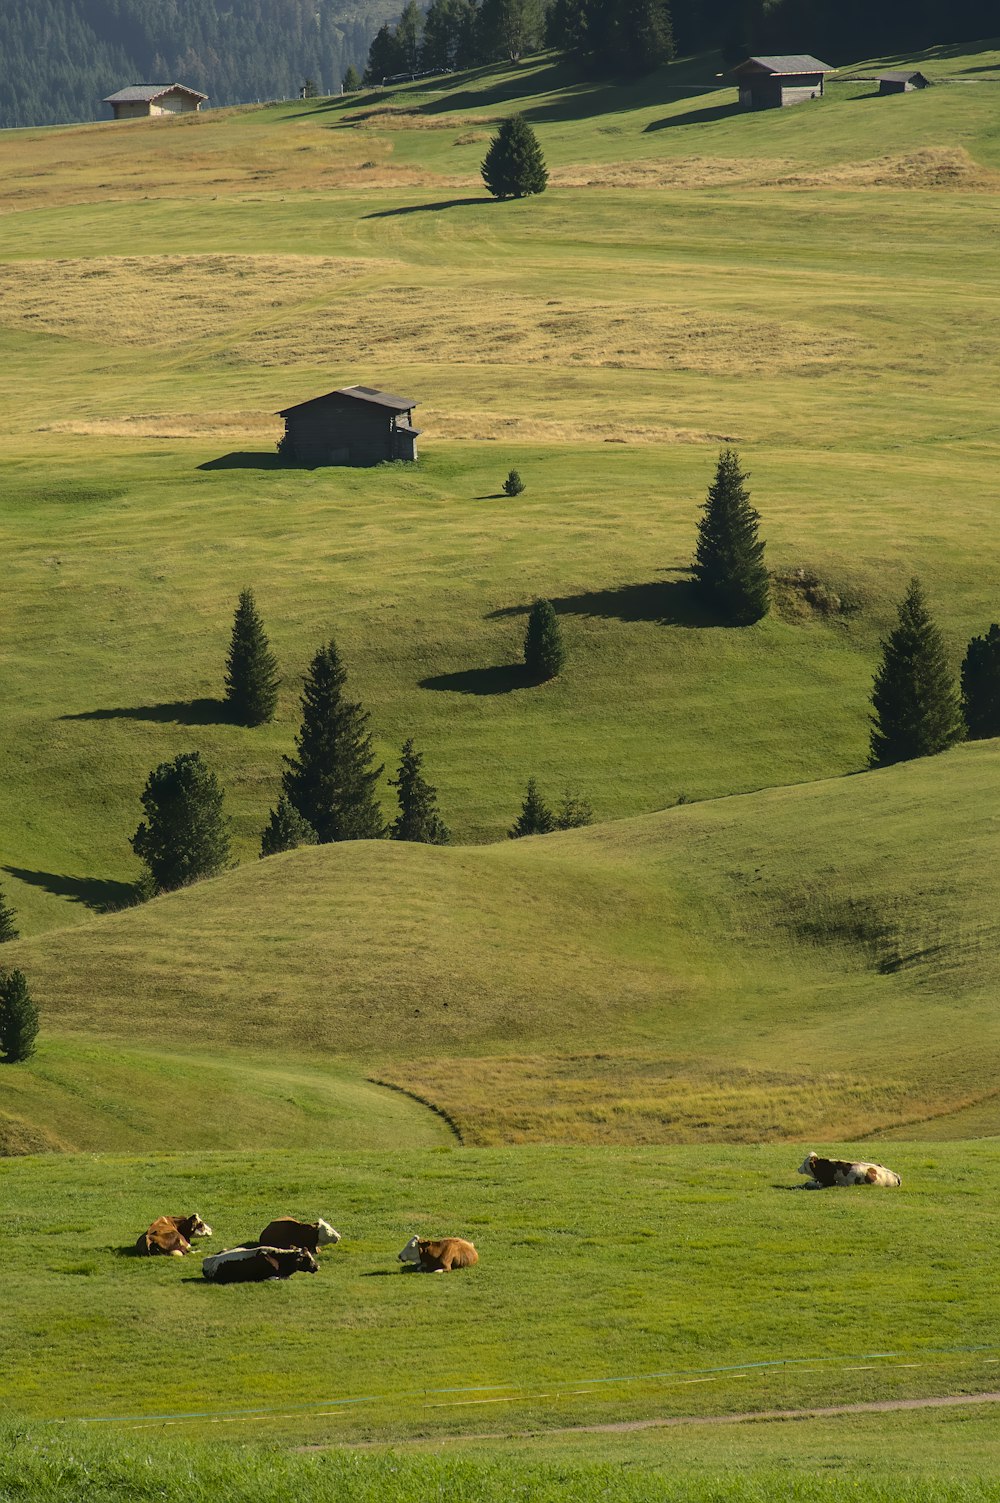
x=704, y=116
x=246, y=459
x=177, y=712
x=447, y=203
x=98, y=893
x=502, y=679
x=666, y=602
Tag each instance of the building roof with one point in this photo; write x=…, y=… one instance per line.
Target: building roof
x=146, y=93
x=798, y=62
x=363, y=394
x=902, y=77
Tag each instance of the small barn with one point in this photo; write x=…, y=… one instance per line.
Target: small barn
x=139, y=101
x=901, y=83
x=770, y=83
x=354, y=425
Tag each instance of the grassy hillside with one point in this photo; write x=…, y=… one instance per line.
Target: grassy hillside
x=611, y=1286
x=737, y=969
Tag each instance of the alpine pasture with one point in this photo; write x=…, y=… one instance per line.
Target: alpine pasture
x=628, y=1032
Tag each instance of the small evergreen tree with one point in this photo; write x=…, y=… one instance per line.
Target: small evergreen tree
x=251, y=677
x=544, y=653
x=418, y=817
x=286, y=830
x=351, y=82
x=574, y=812
x=981, y=686
x=8, y=921
x=333, y=779
x=18, y=1018
x=185, y=835
x=513, y=485
x=535, y=818
x=514, y=166
x=915, y=703
x=309, y=89
x=729, y=569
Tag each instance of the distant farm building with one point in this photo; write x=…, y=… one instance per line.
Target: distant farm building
x=139, y=101
x=355, y=425
x=769, y=83
x=901, y=83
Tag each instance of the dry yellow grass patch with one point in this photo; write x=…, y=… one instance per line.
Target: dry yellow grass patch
x=930, y=167
x=404, y=324
x=680, y=172
x=636, y=1099
x=172, y=425
x=399, y=118
x=160, y=300
x=477, y=426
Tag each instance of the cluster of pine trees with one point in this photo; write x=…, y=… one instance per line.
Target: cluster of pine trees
x=62, y=57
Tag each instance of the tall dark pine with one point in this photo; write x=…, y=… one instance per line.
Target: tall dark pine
x=915, y=705
x=251, y=668
x=544, y=653
x=729, y=569
x=8, y=921
x=641, y=35
x=981, y=686
x=18, y=1018
x=535, y=818
x=185, y=835
x=333, y=779
x=418, y=817
x=514, y=166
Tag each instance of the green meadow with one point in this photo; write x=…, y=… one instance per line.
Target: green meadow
x=602, y=1054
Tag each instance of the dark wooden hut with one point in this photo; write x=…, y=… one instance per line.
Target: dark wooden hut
x=768, y=83
x=901, y=82
x=355, y=425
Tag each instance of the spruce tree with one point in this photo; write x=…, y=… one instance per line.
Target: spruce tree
x=981, y=686
x=351, y=82
x=185, y=835
x=574, y=812
x=332, y=780
x=251, y=668
x=8, y=921
x=641, y=35
x=544, y=653
x=915, y=703
x=514, y=166
x=286, y=830
x=513, y=485
x=18, y=1018
x=729, y=569
x=418, y=817
x=535, y=818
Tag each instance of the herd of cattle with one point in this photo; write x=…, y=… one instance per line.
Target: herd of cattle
x=284, y=1247
x=287, y=1246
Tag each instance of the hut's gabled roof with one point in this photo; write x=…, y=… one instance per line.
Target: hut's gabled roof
x=799, y=62
x=367, y=394
x=146, y=93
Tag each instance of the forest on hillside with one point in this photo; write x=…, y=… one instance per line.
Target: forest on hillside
x=62, y=57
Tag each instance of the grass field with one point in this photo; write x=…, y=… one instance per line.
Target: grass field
x=750, y=946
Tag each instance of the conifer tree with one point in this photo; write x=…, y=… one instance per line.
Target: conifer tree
x=514, y=166
x=8, y=921
x=981, y=686
x=18, y=1018
x=641, y=35
x=544, y=653
x=574, y=812
x=729, y=569
x=535, y=818
x=332, y=780
x=351, y=82
x=418, y=817
x=915, y=702
x=513, y=485
x=286, y=830
x=185, y=835
x=251, y=668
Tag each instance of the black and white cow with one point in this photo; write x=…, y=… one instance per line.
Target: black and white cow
x=826, y=1173
x=253, y=1265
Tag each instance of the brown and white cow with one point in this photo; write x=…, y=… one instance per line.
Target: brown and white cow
x=254, y=1265
x=287, y=1232
x=171, y=1235
x=840, y=1172
x=439, y=1257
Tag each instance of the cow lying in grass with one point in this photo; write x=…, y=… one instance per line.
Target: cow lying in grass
x=829, y=1172
x=287, y=1232
x=171, y=1235
x=439, y=1257
x=254, y=1265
